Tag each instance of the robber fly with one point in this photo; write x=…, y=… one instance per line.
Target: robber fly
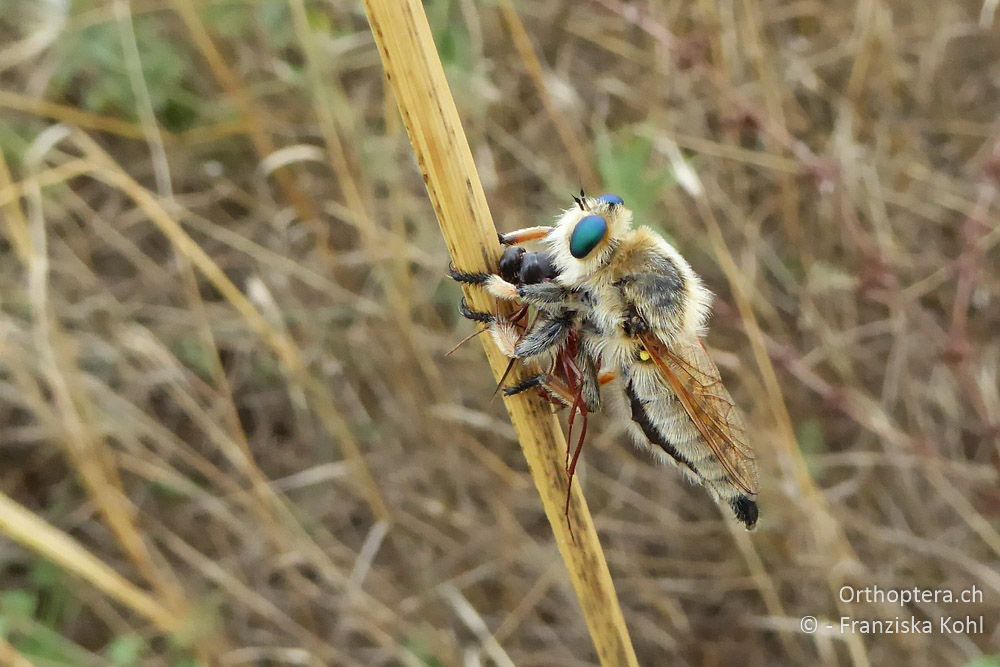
x=628, y=311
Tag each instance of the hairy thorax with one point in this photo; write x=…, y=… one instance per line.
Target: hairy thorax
x=646, y=277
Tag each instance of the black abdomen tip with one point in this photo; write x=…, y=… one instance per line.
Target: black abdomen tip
x=745, y=510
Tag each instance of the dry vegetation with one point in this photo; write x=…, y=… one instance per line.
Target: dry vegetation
x=228, y=431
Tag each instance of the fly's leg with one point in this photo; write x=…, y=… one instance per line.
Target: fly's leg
x=546, y=382
x=519, y=236
x=548, y=296
x=505, y=333
x=491, y=282
x=475, y=315
x=606, y=377
x=548, y=334
x=577, y=388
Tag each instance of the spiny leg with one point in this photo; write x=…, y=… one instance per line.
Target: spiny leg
x=557, y=388
x=475, y=315
x=547, y=333
x=547, y=382
x=571, y=471
x=571, y=465
x=467, y=278
x=505, y=333
x=491, y=282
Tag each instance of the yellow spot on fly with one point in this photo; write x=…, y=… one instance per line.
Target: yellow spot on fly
x=643, y=355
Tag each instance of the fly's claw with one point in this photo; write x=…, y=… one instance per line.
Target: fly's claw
x=467, y=278
x=521, y=387
x=475, y=315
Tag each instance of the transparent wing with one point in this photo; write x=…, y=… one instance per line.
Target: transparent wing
x=695, y=379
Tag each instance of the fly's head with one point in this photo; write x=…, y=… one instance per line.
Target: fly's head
x=586, y=235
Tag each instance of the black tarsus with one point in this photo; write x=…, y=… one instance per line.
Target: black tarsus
x=475, y=315
x=467, y=278
x=525, y=385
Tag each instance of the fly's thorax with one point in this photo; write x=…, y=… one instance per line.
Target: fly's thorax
x=607, y=306
x=602, y=312
x=661, y=285
x=693, y=319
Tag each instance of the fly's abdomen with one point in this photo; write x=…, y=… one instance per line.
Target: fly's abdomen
x=665, y=428
x=660, y=423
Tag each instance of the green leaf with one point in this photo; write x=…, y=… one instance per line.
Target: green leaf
x=229, y=20
x=53, y=595
x=276, y=19
x=810, y=436
x=627, y=171
x=125, y=650
x=18, y=604
x=984, y=661
x=92, y=72
x=418, y=647
x=811, y=442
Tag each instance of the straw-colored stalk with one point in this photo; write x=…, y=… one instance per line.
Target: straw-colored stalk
x=417, y=79
x=33, y=532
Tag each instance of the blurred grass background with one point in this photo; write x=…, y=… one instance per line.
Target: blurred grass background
x=223, y=315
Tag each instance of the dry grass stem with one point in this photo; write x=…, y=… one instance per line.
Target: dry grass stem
x=418, y=83
x=230, y=429
x=36, y=534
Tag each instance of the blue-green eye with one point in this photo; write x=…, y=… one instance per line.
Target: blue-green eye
x=611, y=200
x=586, y=235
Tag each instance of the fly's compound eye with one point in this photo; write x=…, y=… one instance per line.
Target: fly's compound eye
x=510, y=263
x=587, y=234
x=611, y=200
